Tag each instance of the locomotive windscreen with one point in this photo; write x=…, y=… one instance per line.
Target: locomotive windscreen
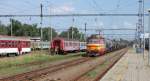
x=95, y=41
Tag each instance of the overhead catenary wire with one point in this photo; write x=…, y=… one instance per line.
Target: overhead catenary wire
x=95, y=29
x=78, y=15
x=97, y=6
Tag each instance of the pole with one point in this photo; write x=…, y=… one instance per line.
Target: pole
x=51, y=33
x=51, y=27
x=85, y=31
x=11, y=27
x=143, y=29
x=68, y=35
x=81, y=37
x=72, y=33
x=149, y=39
x=41, y=31
x=98, y=29
x=72, y=29
x=143, y=45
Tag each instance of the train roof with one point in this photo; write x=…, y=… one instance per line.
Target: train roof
x=60, y=38
x=96, y=36
x=5, y=37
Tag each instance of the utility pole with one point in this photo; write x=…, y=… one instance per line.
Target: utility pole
x=149, y=38
x=72, y=32
x=51, y=33
x=11, y=27
x=141, y=26
x=98, y=28
x=51, y=30
x=143, y=7
x=41, y=15
x=81, y=37
x=85, y=31
x=68, y=35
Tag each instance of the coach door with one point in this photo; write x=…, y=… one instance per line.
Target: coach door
x=57, y=44
x=19, y=47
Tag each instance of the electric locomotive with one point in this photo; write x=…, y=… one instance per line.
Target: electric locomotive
x=96, y=45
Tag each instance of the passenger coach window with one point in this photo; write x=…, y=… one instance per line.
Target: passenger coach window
x=66, y=44
x=70, y=43
x=0, y=44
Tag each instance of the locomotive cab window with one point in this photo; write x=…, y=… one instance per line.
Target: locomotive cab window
x=94, y=41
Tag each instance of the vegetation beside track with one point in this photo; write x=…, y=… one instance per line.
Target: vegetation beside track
x=93, y=73
x=14, y=65
x=100, y=70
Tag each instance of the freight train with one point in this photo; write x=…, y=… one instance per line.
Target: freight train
x=98, y=45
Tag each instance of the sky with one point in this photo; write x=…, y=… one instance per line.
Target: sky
x=11, y=7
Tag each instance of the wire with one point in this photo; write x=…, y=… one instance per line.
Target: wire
x=97, y=6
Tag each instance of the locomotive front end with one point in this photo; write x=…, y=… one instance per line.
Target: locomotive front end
x=95, y=47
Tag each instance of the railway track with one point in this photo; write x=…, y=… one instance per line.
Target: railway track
x=76, y=72
x=116, y=59
x=34, y=74
x=113, y=59
x=71, y=55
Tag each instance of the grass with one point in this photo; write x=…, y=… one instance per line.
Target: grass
x=13, y=65
x=99, y=69
x=94, y=72
x=30, y=58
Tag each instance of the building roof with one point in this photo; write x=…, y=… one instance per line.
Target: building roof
x=5, y=37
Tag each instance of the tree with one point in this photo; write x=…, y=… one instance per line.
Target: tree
x=47, y=33
x=31, y=30
x=19, y=29
x=76, y=34
x=3, y=30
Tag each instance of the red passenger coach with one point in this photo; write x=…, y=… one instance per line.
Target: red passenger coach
x=14, y=45
x=61, y=45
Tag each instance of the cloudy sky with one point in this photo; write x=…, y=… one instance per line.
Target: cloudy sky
x=26, y=7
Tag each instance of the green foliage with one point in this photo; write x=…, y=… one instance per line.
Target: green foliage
x=76, y=34
x=20, y=29
x=17, y=65
x=47, y=33
x=3, y=29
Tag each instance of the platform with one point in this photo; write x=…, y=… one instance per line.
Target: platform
x=131, y=67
